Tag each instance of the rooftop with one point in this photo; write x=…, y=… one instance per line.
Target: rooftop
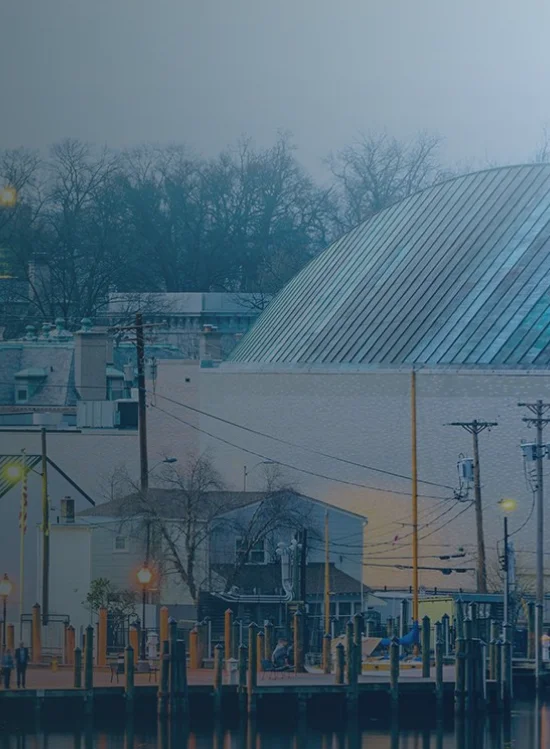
x=455, y=275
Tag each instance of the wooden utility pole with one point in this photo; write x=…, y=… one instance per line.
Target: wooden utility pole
x=327, y=578
x=475, y=428
x=45, y=530
x=22, y=532
x=414, y=496
x=539, y=421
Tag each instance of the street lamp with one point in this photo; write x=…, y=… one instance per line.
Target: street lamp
x=5, y=590
x=13, y=472
x=144, y=577
x=247, y=472
x=507, y=505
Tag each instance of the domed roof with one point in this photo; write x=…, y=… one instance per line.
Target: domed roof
x=458, y=274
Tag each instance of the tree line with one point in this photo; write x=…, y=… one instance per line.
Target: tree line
x=90, y=221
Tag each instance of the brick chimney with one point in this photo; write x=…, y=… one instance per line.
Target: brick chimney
x=90, y=362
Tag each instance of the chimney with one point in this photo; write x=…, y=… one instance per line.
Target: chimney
x=90, y=362
x=210, y=345
x=67, y=510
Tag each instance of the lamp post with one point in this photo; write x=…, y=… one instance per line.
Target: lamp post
x=5, y=590
x=508, y=506
x=246, y=472
x=144, y=577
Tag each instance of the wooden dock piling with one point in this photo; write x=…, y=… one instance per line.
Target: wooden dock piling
x=349, y=653
x=129, y=665
x=228, y=633
x=182, y=696
x=327, y=642
x=426, y=637
x=36, y=650
x=439, y=647
x=339, y=670
x=89, y=659
x=173, y=665
x=194, y=648
x=507, y=687
x=394, y=673
x=242, y=678
x=77, y=668
x=531, y=630
x=260, y=651
x=268, y=640
x=460, y=675
x=164, y=683
x=70, y=643
x=446, y=634
x=252, y=676
x=218, y=678
x=299, y=650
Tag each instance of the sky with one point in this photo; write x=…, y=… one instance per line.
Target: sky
x=205, y=72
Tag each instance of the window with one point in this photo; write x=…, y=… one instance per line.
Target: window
x=344, y=610
x=121, y=543
x=22, y=395
x=256, y=555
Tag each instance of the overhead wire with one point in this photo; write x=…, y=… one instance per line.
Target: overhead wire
x=289, y=443
x=284, y=464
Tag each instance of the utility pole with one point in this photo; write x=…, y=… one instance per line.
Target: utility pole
x=142, y=406
x=506, y=566
x=475, y=428
x=414, y=496
x=538, y=409
x=327, y=578
x=45, y=530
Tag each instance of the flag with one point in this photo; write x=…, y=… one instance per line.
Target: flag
x=24, y=503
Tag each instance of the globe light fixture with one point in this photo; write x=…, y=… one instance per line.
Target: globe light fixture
x=13, y=472
x=145, y=575
x=507, y=504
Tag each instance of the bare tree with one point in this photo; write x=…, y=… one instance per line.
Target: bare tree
x=379, y=170
x=190, y=505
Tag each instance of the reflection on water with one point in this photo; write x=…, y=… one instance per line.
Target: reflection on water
x=527, y=728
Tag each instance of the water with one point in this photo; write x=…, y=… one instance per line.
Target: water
x=527, y=728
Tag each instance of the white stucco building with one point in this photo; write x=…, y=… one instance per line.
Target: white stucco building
x=453, y=281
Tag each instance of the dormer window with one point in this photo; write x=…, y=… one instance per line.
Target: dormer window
x=28, y=382
x=21, y=395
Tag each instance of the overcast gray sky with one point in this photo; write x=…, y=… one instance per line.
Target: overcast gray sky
x=207, y=71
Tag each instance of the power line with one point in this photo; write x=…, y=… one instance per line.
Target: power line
x=301, y=447
x=282, y=463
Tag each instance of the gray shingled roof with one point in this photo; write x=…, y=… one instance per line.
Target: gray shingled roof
x=458, y=274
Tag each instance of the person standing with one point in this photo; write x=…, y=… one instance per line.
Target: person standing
x=7, y=665
x=21, y=662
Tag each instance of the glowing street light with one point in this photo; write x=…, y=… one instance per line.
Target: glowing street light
x=13, y=472
x=5, y=590
x=507, y=504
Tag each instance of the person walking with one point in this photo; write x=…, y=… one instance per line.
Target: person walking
x=7, y=666
x=21, y=662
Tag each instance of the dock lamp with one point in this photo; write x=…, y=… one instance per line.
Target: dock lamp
x=5, y=590
x=144, y=577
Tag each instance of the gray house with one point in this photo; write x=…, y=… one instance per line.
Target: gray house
x=236, y=544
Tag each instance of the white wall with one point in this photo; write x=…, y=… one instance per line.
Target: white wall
x=365, y=417
x=91, y=458
x=70, y=572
